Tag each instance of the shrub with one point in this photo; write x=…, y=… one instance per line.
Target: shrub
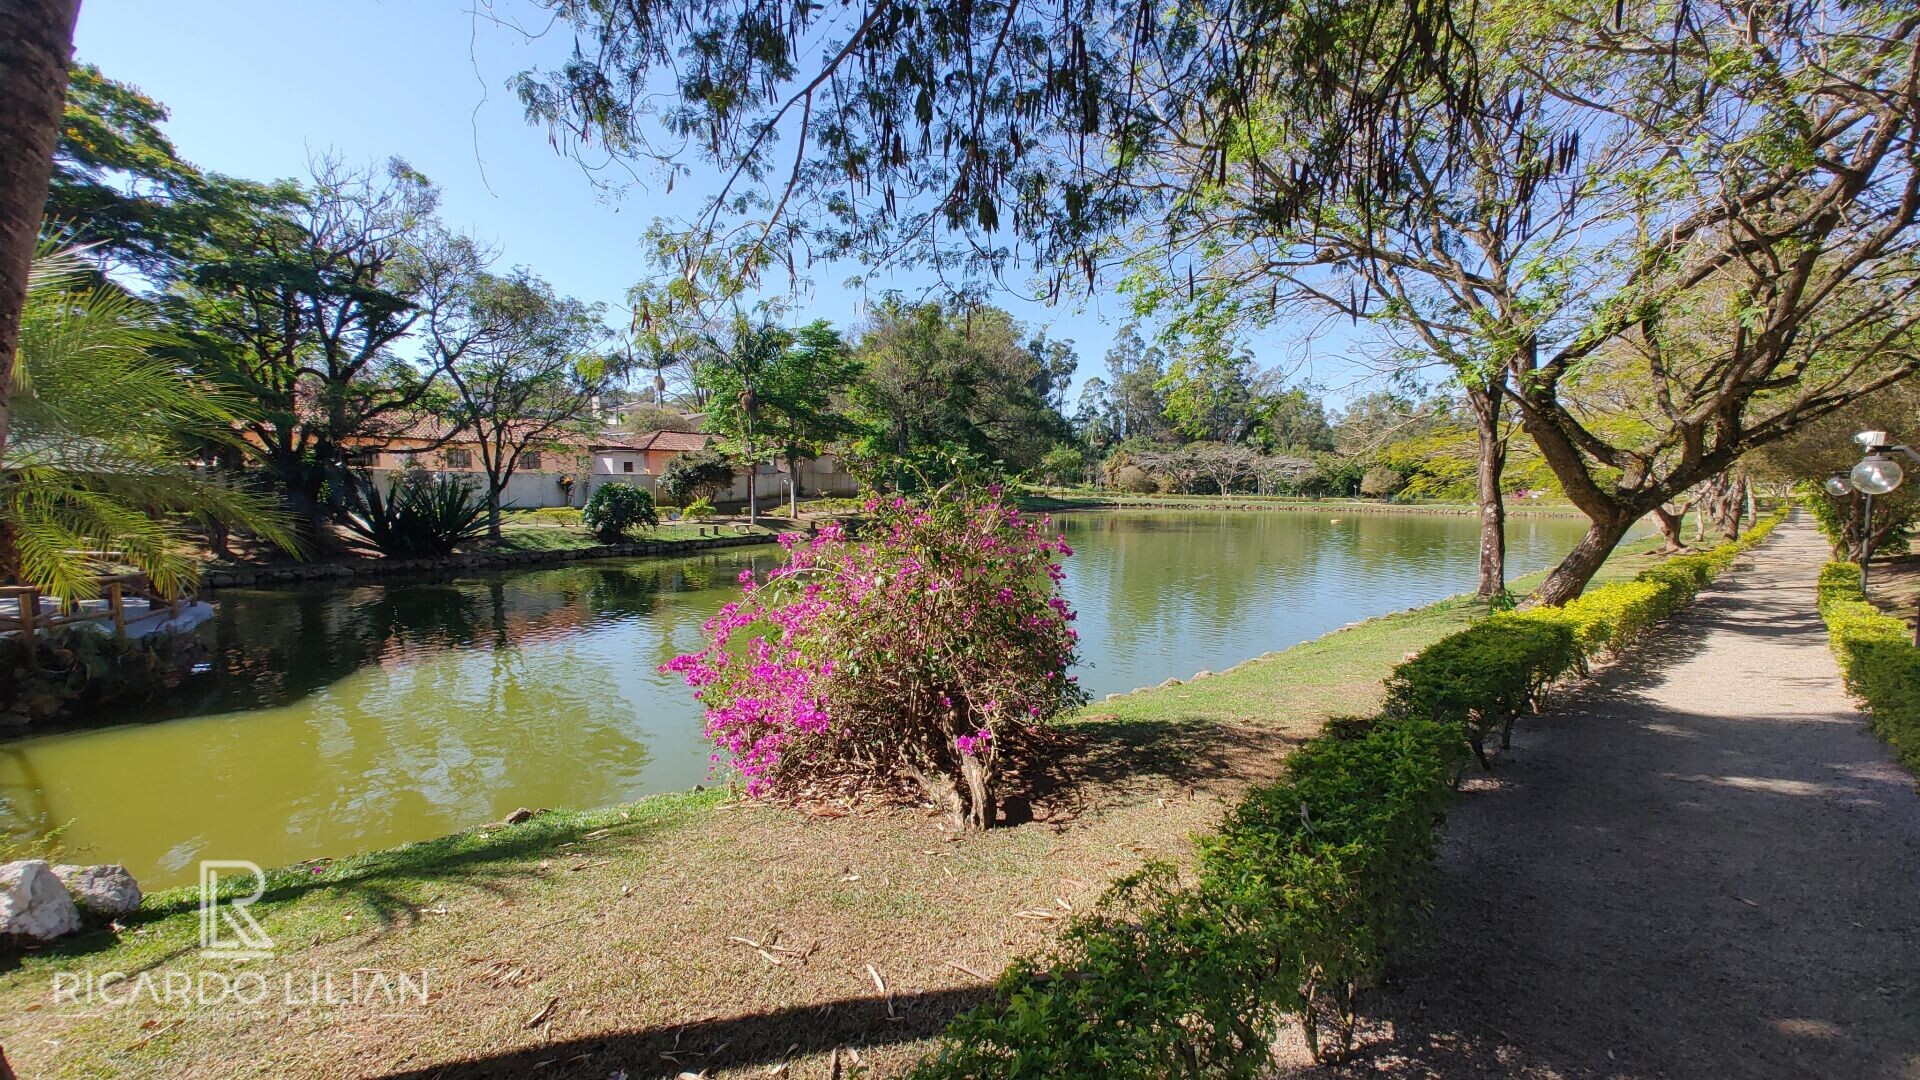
x=614, y=509
x=1381, y=482
x=1877, y=659
x=697, y=509
x=1481, y=678
x=418, y=516
x=919, y=653
x=700, y=476
x=1132, y=479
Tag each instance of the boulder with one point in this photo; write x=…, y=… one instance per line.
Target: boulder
x=33, y=904
x=101, y=890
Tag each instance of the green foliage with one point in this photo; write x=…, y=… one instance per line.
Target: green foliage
x=1877, y=658
x=299, y=301
x=1064, y=464
x=698, y=476
x=1480, y=679
x=118, y=182
x=1895, y=521
x=939, y=382
x=418, y=516
x=1208, y=394
x=775, y=388
x=697, y=509
x=615, y=509
x=102, y=429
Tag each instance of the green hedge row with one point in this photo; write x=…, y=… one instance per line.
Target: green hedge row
x=1295, y=904
x=1877, y=659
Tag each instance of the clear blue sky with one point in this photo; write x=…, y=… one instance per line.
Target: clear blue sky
x=257, y=89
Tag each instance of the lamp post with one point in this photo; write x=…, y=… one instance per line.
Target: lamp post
x=1876, y=474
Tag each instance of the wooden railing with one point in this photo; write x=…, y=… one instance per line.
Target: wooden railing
x=31, y=616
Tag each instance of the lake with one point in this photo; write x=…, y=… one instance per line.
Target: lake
x=339, y=719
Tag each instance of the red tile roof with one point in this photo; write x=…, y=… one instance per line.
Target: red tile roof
x=676, y=441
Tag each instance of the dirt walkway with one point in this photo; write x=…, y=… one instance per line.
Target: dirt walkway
x=1701, y=865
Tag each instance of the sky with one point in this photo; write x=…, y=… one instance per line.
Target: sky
x=258, y=89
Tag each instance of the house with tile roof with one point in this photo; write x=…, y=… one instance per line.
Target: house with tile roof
x=564, y=468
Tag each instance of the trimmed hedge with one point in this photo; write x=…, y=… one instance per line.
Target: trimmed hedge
x=1877, y=659
x=1296, y=903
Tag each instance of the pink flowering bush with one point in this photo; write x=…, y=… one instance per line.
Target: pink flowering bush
x=923, y=650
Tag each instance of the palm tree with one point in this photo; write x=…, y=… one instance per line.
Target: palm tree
x=732, y=365
x=102, y=428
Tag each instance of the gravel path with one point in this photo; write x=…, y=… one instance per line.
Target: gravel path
x=1700, y=865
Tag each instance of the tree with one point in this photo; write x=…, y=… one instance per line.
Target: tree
x=795, y=392
x=645, y=418
x=699, y=475
x=961, y=134
x=1208, y=394
x=1134, y=395
x=1825, y=448
x=300, y=305
x=1093, y=416
x=1063, y=465
x=935, y=379
x=1054, y=363
x=104, y=425
x=36, y=45
x=120, y=186
x=1373, y=420
x=523, y=362
x=1381, y=482
x=1773, y=270
x=1226, y=464
x=1291, y=419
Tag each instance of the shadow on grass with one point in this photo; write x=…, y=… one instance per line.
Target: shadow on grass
x=485, y=859
x=1103, y=761
x=759, y=1039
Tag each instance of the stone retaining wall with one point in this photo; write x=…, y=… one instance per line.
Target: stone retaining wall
x=298, y=573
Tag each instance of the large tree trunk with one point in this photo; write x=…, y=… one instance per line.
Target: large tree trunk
x=1567, y=580
x=1670, y=522
x=36, y=44
x=493, y=512
x=1721, y=503
x=1493, y=506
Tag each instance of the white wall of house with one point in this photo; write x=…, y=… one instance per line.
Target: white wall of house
x=524, y=491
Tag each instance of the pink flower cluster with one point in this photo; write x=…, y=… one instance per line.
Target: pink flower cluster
x=908, y=648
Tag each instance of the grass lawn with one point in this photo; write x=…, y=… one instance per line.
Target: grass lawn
x=692, y=934
x=551, y=537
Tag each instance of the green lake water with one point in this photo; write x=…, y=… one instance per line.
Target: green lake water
x=339, y=719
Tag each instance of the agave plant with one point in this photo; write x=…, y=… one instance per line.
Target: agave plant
x=102, y=431
x=418, y=516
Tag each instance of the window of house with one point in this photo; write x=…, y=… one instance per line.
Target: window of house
x=626, y=466
x=459, y=459
x=364, y=459
x=530, y=460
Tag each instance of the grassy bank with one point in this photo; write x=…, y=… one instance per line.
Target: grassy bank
x=1070, y=499
x=561, y=537
x=690, y=933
